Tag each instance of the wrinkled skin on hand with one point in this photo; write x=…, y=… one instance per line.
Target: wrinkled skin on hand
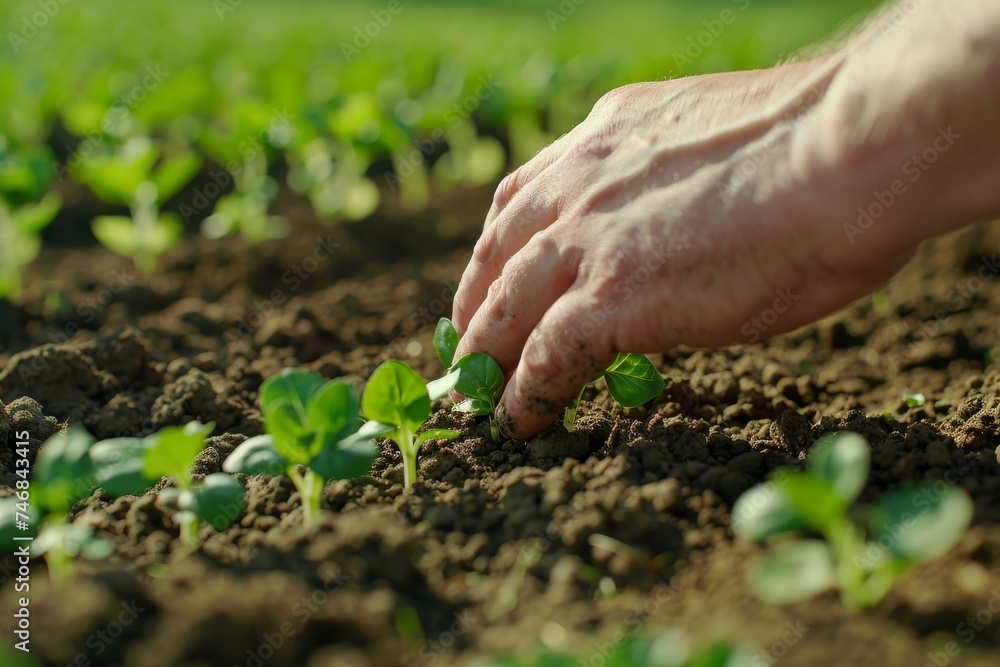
x=702, y=211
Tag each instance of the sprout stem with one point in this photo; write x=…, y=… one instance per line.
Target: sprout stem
x=569, y=417
x=189, y=531
x=56, y=556
x=310, y=488
x=409, y=454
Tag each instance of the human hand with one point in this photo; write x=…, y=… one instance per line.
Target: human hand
x=701, y=212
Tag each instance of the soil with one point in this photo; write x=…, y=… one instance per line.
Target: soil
x=567, y=539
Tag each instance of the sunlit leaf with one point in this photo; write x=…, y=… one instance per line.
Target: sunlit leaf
x=842, y=459
x=633, y=380
x=794, y=572
x=921, y=522
x=396, y=395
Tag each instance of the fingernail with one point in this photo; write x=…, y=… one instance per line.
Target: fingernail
x=504, y=422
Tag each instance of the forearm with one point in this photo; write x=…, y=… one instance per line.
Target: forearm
x=908, y=126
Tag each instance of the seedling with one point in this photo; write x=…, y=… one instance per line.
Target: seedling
x=126, y=176
x=129, y=466
x=881, y=304
x=38, y=514
x=331, y=173
x=480, y=379
x=24, y=177
x=631, y=378
x=314, y=434
x=397, y=398
x=243, y=139
x=905, y=526
x=669, y=649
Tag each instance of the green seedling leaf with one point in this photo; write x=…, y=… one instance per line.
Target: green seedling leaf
x=75, y=539
x=721, y=655
x=119, y=465
x=166, y=232
x=292, y=385
x=812, y=498
x=174, y=174
x=438, y=388
x=172, y=450
x=371, y=430
x=96, y=548
x=480, y=378
x=11, y=527
x=436, y=434
x=63, y=471
x=669, y=649
x=293, y=439
x=24, y=174
x=349, y=459
x=842, y=459
x=633, y=380
x=218, y=500
x=334, y=411
x=115, y=233
x=794, y=572
x=33, y=218
x=396, y=395
x=353, y=456
x=255, y=456
x=914, y=400
x=921, y=522
x=475, y=406
x=764, y=512
x=115, y=179
x=121, y=235
x=445, y=341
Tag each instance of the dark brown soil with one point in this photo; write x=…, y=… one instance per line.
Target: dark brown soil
x=566, y=539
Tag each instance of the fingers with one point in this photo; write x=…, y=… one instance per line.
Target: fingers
x=563, y=353
x=532, y=212
x=531, y=281
x=521, y=177
x=521, y=208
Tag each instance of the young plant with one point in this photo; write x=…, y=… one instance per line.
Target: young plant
x=397, y=399
x=480, y=379
x=314, y=434
x=245, y=139
x=631, y=378
x=127, y=176
x=129, y=466
x=24, y=177
x=905, y=526
x=39, y=513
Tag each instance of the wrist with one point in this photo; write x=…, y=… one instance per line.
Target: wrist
x=905, y=135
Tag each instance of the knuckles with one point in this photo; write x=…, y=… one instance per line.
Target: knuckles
x=495, y=305
x=616, y=98
x=486, y=246
x=540, y=365
x=507, y=189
